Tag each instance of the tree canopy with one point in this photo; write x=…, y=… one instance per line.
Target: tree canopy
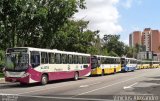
x=34, y=22
x=114, y=46
x=49, y=24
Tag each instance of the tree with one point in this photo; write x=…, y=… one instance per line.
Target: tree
x=129, y=51
x=2, y=59
x=34, y=22
x=111, y=53
x=74, y=36
x=114, y=45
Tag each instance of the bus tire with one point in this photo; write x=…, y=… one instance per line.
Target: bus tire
x=23, y=84
x=44, y=79
x=102, y=72
x=114, y=70
x=76, y=76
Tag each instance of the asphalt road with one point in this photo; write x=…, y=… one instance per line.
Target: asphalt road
x=103, y=88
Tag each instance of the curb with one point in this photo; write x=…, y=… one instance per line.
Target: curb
x=1, y=78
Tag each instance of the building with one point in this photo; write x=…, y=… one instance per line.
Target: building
x=147, y=55
x=155, y=41
x=135, y=38
x=148, y=38
x=130, y=40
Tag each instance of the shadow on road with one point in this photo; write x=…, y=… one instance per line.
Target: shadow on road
x=152, y=86
x=17, y=85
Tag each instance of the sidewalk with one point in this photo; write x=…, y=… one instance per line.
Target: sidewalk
x=2, y=80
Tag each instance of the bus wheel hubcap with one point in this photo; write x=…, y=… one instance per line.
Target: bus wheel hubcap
x=76, y=76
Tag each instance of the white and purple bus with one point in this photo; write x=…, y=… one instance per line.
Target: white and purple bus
x=30, y=65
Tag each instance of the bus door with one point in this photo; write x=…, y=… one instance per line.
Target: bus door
x=94, y=62
x=123, y=63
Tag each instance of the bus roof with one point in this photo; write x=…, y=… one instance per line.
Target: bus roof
x=52, y=50
x=107, y=56
x=131, y=58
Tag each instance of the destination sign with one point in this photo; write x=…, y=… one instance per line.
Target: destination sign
x=10, y=50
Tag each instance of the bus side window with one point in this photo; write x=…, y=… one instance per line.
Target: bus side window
x=80, y=59
x=70, y=59
x=51, y=58
x=83, y=60
x=107, y=61
x=74, y=59
x=44, y=58
x=111, y=61
x=63, y=57
x=114, y=61
x=88, y=59
x=35, y=58
x=57, y=58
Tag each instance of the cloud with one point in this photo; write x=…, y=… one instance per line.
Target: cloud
x=129, y=3
x=103, y=15
x=136, y=28
x=126, y=41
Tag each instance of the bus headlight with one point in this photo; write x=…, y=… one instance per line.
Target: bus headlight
x=25, y=75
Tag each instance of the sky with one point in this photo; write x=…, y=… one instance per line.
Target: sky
x=121, y=16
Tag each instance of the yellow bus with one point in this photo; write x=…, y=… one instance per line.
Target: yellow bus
x=146, y=64
x=139, y=64
x=101, y=65
x=155, y=64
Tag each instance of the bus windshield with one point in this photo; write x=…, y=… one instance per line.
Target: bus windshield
x=17, y=61
x=123, y=62
x=94, y=62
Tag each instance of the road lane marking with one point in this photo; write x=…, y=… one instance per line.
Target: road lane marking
x=7, y=94
x=108, y=86
x=82, y=86
x=41, y=89
x=90, y=84
x=64, y=98
x=44, y=89
x=47, y=88
x=127, y=87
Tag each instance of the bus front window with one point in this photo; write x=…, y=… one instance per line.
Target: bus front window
x=94, y=62
x=17, y=61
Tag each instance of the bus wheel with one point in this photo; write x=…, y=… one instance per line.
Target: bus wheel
x=102, y=73
x=44, y=79
x=114, y=70
x=76, y=76
x=23, y=84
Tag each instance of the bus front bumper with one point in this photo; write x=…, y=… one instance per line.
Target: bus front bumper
x=96, y=71
x=17, y=79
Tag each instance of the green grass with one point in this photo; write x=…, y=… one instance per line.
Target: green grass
x=1, y=75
